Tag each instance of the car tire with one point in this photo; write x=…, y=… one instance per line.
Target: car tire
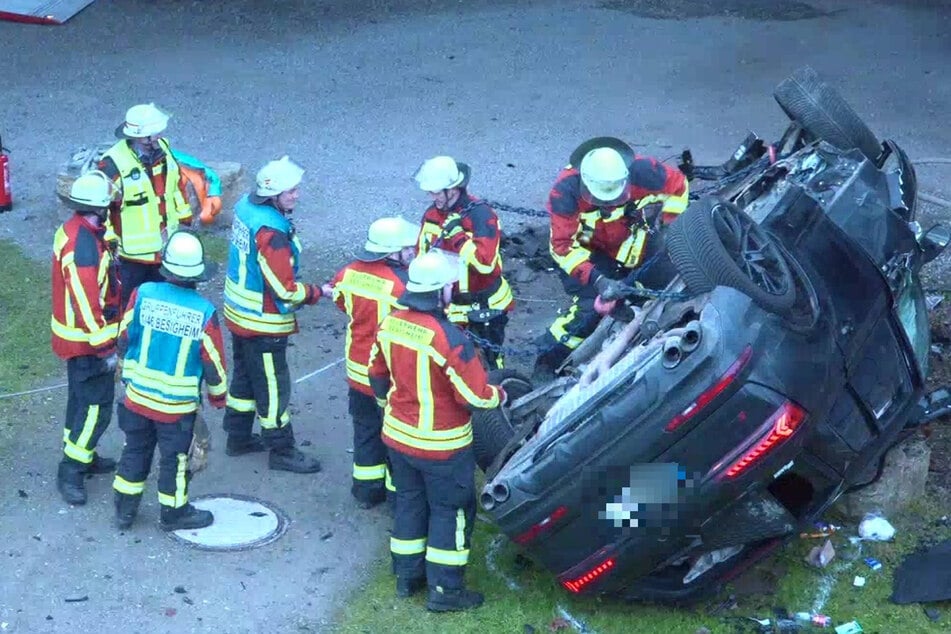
x=491, y=429
x=695, y=244
x=823, y=113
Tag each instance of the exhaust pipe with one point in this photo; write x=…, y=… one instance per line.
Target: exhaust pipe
x=485, y=499
x=690, y=339
x=672, y=353
x=493, y=495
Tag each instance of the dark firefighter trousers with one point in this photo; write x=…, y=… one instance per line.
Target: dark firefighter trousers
x=134, y=274
x=371, y=472
x=92, y=389
x=261, y=385
x=142, y=434
x=581, y=319
x=434, y=516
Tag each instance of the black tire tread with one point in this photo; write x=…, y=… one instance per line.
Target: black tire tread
x=824, y=113
x=491, y=430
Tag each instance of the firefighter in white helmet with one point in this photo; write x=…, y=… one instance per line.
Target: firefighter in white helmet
x=366, y=290
x=152, y=199
x=263, y=291
x=460, y=223
x=84, y=326
x=607, y=208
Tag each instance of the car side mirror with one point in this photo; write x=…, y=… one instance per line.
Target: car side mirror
x=934, y=241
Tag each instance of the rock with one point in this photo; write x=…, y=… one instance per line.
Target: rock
x=83, y=159
x=903, y=480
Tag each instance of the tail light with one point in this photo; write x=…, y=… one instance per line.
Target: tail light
x=542, y=526
x=780, y=427
x=714, y=391
x=577, y=585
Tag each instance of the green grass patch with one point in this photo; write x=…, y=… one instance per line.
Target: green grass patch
x=216, y=247
x=538, y=602
x=26, y=358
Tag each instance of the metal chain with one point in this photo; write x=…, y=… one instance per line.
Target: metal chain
x=521, y=211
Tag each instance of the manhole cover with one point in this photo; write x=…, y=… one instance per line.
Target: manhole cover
x=241, y=523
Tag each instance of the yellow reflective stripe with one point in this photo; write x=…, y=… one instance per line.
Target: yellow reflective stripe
x=460, y=529
x=358, y=368
x=180, y=497
x=467, y=393
x=427, y=408
x=559, y=327
x=372, y=472
x=79, y=335
x=388, y=480
x=632, y=248
x=296, y=296
x=78, y=451
x=391, y=338
x=468, y=254
x=407, y=546
x=213, y=353
x=268, y=323
x=122, y=485
x=241, y=404
x=184, y=346
x=270, y=421
x=159, y=381
x=242, y=295
x=78, y=293
x=157, y=404
x=577, y=256
x=432, y=440
x=447, y=557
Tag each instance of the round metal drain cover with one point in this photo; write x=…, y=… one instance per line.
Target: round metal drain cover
x=241, y=523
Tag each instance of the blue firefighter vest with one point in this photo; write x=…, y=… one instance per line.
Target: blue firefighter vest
x=245, y=287
x=162, y=369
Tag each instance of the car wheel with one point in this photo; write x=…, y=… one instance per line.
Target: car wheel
x=492, y=429
x=823, y=113
x=713, y=243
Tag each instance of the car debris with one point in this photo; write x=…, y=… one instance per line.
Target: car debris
x=873, y=563
x=852, y=627
x=858, y=582
x=820, y=556
x=876, y=528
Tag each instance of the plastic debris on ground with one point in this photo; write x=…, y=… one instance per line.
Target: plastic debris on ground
x=821, y=530
x=852, y=627
x=820, y=556
x=858, y=582
x=877, y=528
x=873, y=563
x=932, y=301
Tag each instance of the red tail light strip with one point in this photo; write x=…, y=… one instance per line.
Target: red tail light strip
x=539, y=528
x=786, y=421
x=714, y=391
x=576, y=585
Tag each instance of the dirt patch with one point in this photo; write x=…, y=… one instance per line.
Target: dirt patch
x=758, y=10
x=938, y=433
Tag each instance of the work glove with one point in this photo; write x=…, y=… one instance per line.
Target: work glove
x=453, y=233
x=314, y=294
x=503, y=396
x=610, y=290
x=327, y=290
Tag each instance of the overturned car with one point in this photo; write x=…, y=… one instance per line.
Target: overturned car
x=788, y=353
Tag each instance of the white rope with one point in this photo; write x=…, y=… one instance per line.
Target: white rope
x=319, y=370
x=935, y=200
x=34, y=391
x=933, y=161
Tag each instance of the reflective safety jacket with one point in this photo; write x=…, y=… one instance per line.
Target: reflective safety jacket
x=428, y=372
x=171, y=342
x=85, y=319
x=579, y=227
x=261, y=290
x=480, y=278
x=367, y=292
x=152, y=202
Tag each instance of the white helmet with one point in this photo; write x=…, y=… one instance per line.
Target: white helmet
x=183, y=258
x=431, y=272
x=93, y=191
x=441, y=172
x=143, y=120
x=388, y=235
x=277, y=177
x=604, y=173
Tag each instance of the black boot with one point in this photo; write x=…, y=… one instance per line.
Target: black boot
x=185, y=518
x=100, y=465
x=408, y=586
x=294, y=460
x=368, y=497
x=238, y=446
x=69, y=481
x=127, y=507
x=452, y=599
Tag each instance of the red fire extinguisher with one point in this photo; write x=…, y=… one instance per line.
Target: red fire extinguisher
x=6, y=194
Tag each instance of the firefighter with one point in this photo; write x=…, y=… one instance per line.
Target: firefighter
x=152, y=200
x=262, y=295
x=367, y=290
x=84, y=329
x=170, y=340
x=430, y=376
x=606, y=208
x=460, y=223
